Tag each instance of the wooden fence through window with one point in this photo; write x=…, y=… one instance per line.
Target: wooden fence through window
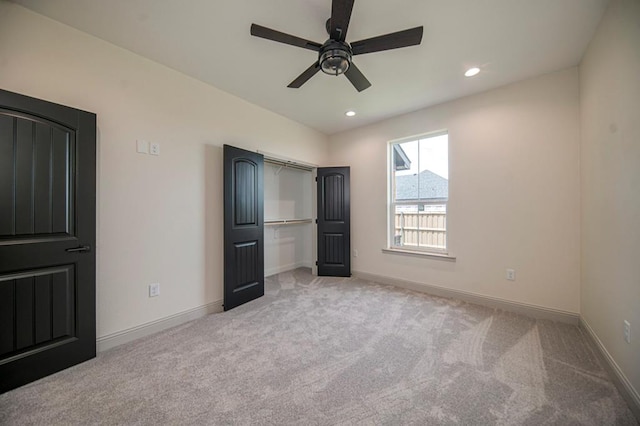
x=422, y=229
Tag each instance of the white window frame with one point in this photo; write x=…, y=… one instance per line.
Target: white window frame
x=391, y=203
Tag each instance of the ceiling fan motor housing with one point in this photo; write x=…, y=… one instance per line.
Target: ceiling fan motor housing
x=335, y=57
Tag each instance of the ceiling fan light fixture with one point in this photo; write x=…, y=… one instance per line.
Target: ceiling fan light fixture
x=335, y=61
x=471, y=72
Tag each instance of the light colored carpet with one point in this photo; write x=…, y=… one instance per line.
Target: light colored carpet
x=336, y=351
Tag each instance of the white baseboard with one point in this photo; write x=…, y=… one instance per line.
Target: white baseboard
x=284, y=268
x=629, y=393
x=533, y=311
x=125, y=336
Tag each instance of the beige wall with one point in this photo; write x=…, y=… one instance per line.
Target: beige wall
x=514, y=192
x=159, y=218
x=610, y=117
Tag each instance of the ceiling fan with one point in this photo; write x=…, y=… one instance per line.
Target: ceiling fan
x=335, y=55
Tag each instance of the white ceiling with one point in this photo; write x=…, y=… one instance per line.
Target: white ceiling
x=509, y=40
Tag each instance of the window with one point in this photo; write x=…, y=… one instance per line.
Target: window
x=418, y=193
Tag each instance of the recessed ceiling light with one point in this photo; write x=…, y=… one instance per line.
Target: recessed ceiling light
x=350, y=113
x=472, y=71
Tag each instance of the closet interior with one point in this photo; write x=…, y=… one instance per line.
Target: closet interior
x=289, y=216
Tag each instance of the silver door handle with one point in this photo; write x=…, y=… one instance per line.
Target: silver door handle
x=81, y=249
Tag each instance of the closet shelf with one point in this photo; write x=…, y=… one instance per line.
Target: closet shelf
x=275, y=222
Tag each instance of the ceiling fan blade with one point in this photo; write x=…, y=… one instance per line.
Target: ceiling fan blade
x=410, y=37
x=340, y=17
x=306, y=75
x=356, y=78
x=269, y=34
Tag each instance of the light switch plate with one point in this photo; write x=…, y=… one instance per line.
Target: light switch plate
x=142, y=147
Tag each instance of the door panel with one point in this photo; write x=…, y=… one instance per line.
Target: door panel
x=42, y=303
x=247, y=265
x=47, y=192
x=36, y=189
x=244, y=193
x=333, y=185
x=243, y=226
x=334, y=234
x=334, y=247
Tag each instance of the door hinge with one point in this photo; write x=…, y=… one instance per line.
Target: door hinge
x=316, y=178
x=316, y=263
x=316, y=220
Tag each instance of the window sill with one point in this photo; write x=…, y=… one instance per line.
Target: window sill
x=437, y=256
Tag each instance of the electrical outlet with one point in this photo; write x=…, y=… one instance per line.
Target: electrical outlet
x=154, y=289
x=355, y=252
x=154, y=149
x=627, y=331
x=511, y=274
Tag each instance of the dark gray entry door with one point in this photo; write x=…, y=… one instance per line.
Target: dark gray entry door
x=47, y=232
x=334, y=221
x=243, y=226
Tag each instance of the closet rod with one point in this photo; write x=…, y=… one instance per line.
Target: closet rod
x=287, y=164
x=282, y=160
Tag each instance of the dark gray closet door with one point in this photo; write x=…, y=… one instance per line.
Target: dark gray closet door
x=334, y=222
x=47, y=230
x=243, y=226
